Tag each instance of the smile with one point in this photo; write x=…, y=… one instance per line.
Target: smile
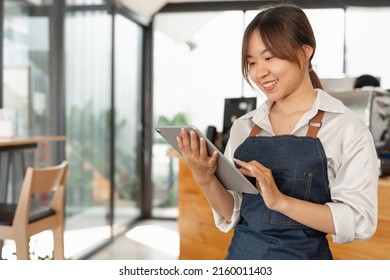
x=270, y=84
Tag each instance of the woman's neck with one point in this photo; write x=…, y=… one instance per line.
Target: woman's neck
x=285, y=113
x=299, y=101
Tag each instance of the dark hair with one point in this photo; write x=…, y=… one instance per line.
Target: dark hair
x=284, y=29
x=366, y=80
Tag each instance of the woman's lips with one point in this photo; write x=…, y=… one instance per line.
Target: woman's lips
x=269, y=85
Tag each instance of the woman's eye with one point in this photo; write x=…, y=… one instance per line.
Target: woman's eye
x=269, y=58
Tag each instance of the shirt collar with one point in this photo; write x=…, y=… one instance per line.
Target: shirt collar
x=323, y=101
x=328, y=103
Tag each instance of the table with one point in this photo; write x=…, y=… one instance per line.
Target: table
x=12, y=161
x=32, y=141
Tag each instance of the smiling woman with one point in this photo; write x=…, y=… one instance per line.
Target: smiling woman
x=307, y=190
x=198, y=74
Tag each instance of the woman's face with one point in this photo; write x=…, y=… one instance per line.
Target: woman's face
x=277, y=78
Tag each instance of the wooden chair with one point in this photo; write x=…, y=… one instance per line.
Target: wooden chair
x=30, y=215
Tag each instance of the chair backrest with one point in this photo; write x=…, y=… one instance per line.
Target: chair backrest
x=42, y=180
x=46, y=180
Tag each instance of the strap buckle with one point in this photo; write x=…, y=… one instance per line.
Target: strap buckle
x=315, y=124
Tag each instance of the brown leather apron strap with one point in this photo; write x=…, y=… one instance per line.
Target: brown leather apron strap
x=314, y=126
x=255, y=130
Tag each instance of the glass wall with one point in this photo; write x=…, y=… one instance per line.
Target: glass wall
x=89, y=71
x=26, y=87
x=88, y=104
x=102, y=80
x=128, y=53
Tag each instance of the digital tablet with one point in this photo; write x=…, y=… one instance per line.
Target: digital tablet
x=227, y=173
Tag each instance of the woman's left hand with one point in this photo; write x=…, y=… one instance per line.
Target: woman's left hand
x=265, y=182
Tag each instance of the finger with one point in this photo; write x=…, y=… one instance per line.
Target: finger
x=180, y=144
x=258, y=165
x=244, y=164
x=214, y=158
x=194, y=143
x=246, y=169
x=246, y=172
x=260, y=170
x=258, y=187
x=203, y=149
x=185, y=140
x=253, y=166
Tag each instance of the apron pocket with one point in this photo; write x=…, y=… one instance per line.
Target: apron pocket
x=292, y=183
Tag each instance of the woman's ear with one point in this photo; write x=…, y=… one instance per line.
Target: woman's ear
x=308, y=51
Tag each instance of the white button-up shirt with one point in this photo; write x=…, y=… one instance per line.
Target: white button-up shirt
x=353, y=166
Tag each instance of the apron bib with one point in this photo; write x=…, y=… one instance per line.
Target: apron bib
x=299, y=168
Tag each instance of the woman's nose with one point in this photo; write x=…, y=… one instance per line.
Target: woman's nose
x=260, y=72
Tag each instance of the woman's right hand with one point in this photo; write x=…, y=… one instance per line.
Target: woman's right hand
x=195, y=154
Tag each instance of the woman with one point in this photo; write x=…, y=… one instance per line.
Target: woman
x=312, y=159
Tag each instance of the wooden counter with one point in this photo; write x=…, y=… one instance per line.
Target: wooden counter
x=201, y=240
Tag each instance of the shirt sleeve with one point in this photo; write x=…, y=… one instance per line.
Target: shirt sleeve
x=354, y=191
x=221, y=223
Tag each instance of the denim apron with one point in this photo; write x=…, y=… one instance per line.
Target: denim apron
x=299, y=168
